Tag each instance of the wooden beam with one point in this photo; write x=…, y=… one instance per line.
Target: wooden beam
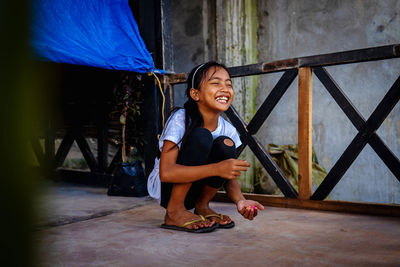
x=166, y=33
x=271, y=167
x=305, y=133
x=176, y=78
x=387, y=156
x=384, y=152
x=262, y=155
x=345, y=57
x=151, y=123
x=169, y=98
x=86, y=151
x=116, y=159
x=102, y=142
x=280, y=65
x=154, y=31
x=246, y=70
x=271, y=101
x=326, y=205
x=49, y=144
x=64, y=148
x=37, y=149
x=352, y=56
x=359, y=141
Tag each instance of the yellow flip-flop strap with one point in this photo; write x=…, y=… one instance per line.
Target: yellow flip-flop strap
x=202, y=219
x=220, y=216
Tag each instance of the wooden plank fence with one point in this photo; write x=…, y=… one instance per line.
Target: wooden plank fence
x=304, y=67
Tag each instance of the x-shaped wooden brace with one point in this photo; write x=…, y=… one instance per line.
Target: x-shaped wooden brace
x=247, y=131
x=367, y=133
x=71, y=135
x=63, y=150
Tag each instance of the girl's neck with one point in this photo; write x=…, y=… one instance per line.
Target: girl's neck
x=210, y=120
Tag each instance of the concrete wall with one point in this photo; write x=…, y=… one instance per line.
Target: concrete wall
x=300, y=28
x=287, y=29
x=193, y=37
x=236, y=31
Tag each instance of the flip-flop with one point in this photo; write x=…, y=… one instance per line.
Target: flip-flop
x=221, y=216
x=183, y=226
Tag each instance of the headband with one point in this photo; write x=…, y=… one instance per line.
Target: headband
x=194, y=74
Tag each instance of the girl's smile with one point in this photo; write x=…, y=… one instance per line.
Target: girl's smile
x=222, y=99
x=216, y=93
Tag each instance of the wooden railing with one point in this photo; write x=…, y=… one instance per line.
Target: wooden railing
x=304, y=67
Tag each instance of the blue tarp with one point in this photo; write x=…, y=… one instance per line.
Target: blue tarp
x=97, y=33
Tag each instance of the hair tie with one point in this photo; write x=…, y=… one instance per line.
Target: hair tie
x=194, y=74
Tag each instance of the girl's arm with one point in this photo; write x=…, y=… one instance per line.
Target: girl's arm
x=248, y=208
x=171, y=172
x=233, y=191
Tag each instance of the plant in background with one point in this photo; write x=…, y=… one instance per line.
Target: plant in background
x=129, y=179
x=286, y=156
x=128, y=98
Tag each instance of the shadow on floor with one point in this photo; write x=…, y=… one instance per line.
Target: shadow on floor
x=64, y=203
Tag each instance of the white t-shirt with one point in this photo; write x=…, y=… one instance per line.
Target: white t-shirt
x=174, y=131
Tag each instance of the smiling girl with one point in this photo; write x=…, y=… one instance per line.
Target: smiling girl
x=198, y=151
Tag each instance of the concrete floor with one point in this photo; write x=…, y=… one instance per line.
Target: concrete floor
x=63, y=203
x=128, y=234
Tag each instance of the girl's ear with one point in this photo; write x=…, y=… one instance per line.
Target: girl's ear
x=194, y=94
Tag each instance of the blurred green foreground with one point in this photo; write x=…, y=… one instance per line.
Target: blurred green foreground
x=23, y=109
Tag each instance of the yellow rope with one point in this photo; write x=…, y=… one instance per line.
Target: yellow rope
x=163, y=99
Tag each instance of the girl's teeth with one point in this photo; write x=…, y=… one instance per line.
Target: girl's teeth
x=222, y=99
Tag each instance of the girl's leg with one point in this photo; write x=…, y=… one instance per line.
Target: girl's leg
x=223, y=148
x=176, y=213
x=173, y=196
x=194, y=152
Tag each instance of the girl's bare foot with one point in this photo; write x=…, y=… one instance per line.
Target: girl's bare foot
x=180, y=217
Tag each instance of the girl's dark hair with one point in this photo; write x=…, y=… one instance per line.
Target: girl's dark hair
x=193, y=117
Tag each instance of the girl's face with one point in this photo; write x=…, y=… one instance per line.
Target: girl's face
x=216, y=92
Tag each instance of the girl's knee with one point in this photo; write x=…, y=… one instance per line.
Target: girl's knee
x=224, y=141
x=201, y=136
x=225, y=147
x=228, y=142
x=197, y=147
x=201, y=139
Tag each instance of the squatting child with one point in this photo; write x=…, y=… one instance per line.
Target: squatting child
x=198, y=156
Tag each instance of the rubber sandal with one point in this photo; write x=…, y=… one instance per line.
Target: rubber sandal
x=221, y=216
x=183, y=226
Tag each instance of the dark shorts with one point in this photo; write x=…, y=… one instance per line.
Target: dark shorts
x=200, y=149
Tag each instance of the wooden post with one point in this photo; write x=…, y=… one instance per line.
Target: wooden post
x=148, y=16
x=49, y=144
x=102, y=141
x=305, y=133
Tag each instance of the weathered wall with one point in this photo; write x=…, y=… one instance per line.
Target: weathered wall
x=225, y=31
x=286, y=29
x=193, y=37
x=236, y=31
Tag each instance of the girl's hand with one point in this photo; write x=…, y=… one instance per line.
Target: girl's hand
x=249, y=208
x=231, y=168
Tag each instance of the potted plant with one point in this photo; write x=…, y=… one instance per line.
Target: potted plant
x=129, y=178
